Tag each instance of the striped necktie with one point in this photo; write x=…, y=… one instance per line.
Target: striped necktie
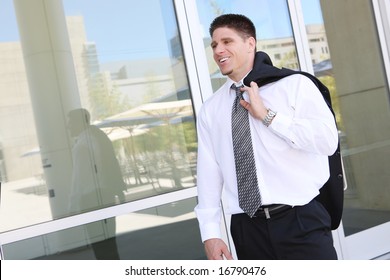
x=248, y=190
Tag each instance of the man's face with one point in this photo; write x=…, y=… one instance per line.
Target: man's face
x=233, y=54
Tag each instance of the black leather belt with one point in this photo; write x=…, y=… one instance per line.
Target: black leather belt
x=267, y=211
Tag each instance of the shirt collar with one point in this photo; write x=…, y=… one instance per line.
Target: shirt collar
x=240, y=82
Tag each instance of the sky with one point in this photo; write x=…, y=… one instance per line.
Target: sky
x=270, y=17
x=123, y=29
x=8, y=27
x=136, y=28
x=312, y=11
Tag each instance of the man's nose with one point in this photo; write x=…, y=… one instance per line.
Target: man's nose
x=219, y=49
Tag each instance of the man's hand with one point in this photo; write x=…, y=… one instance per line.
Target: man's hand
x=256, y=107
x=216, y=249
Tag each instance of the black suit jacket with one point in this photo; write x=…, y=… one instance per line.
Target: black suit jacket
x=332, y=193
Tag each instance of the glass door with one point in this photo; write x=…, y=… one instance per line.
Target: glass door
x=347, y=55
x=98, y=147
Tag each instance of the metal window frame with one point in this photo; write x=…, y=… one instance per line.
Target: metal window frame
x=382, y=17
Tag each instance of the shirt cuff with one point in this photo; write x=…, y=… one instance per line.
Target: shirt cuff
x=209, y=223
x=210, y=231
x=281, y=125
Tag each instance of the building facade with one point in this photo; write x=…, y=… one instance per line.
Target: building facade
x=140, y=81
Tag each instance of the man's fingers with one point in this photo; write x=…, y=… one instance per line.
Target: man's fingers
x=255, y=104
x=216, y=249
x=227, y=254
x=251, y=89
x=254, y=87
x=245, y=104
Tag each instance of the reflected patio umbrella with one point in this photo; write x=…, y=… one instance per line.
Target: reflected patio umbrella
x=149, y=115
x=118, y=133
x=32, y=152
x=168, y=110
x=146, y=116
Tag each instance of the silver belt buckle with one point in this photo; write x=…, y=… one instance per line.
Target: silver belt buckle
x=266, y=211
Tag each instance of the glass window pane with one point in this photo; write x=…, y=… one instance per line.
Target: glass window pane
x=273, y=28
x=166, y=232
x=106, y=119
x=344, y=45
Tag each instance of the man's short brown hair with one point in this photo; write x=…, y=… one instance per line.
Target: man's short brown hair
x=240, y=23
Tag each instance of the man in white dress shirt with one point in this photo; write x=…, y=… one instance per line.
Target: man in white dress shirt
x=293, y=133
x=97, y=181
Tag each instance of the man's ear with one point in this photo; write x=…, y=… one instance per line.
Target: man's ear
x=252, y=44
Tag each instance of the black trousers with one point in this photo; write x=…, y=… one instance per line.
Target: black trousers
x=299, y=233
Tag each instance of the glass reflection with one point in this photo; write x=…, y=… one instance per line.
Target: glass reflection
x=96, y=177
x=134, y=87
x=364, y=137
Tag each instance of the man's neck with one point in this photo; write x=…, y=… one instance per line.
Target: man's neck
x=236, y=80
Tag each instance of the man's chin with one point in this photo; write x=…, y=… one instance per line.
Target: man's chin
x=226, y=73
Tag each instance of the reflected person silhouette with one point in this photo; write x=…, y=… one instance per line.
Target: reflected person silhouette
x=96, y=182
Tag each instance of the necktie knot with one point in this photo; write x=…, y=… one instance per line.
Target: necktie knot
x=237, y=89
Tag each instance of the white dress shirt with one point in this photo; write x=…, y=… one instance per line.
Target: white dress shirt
x=291, y=154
